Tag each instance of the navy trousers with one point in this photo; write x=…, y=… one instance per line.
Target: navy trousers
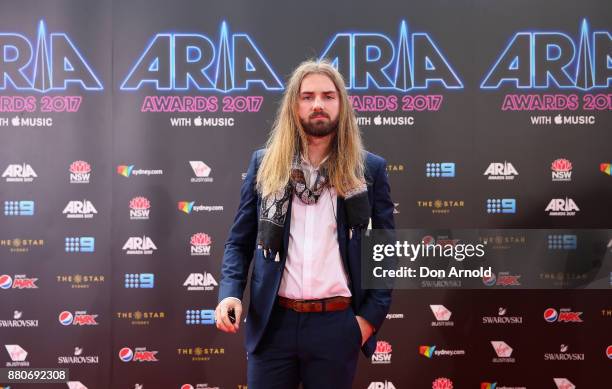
x=319, y=349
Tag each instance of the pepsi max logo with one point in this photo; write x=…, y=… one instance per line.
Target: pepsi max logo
x=5, y=281
x=126, y=354
x=609, y=352
x=563, y=316
x=66, y=318
x=551, y=315
x=489, y=281
x=140, y=354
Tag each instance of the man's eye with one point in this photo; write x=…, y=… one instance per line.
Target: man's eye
x=330, y=97
x=306, y=98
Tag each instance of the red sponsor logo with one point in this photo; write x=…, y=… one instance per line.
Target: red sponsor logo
x=200, y=239
x=80, y=167
x=442, y=383
x=383, y=347
x=140, y=203
x=145, y=356
x=561, y=165
x=25, y=283
x=85, y=320
x=569, y=317
x=508, y=280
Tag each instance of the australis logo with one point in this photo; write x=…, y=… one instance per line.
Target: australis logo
x=564, y=383
x=79, y=318
x=442, y=315
x=139, y=354
x=79, y=172
x=53, y=63
x=173, y=61
x=503, y=351
x=382, y=354
x=539, y=60
x=373, y=60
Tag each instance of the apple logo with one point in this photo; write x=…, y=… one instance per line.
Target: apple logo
x=198, y=121
x=377, y=120
x=558, y=119
x=15, y=121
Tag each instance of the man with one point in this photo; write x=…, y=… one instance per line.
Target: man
x=304, y=202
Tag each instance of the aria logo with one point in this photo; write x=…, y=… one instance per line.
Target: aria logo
x=373, y=60
x=173, y=61
x=501, y=171
x=19, y=173
x=562, y=207
x=56, y=64
x=200, y=281
x=540, y=60
x=381, y=385
x=137, y=245
x=79, y=210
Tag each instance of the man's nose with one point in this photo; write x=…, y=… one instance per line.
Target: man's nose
x=317, y=104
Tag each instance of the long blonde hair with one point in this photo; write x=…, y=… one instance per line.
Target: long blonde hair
x=346, y=160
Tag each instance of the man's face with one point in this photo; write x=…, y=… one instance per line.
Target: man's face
x=318, y=105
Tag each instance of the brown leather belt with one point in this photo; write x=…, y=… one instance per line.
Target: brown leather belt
x=324, y=305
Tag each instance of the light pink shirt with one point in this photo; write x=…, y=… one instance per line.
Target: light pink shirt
x=314, y=268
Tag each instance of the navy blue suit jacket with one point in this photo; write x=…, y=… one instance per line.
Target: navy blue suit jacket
x=371, y=304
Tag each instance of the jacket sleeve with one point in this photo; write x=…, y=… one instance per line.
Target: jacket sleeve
x=377, y=301
x=241, y=242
